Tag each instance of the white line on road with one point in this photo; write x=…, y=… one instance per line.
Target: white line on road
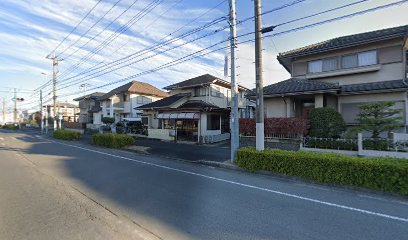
x=244, y=185
x=1, y=138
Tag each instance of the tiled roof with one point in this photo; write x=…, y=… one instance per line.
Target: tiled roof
x=136, y=87
x=91, y=95
x=165, y=102
x=375, y=86
x=197, y=104
x=298, y=85
x=205, y=79
x=348, y=41
x=295, y=86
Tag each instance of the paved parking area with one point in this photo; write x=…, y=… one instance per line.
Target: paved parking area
x=219, y=152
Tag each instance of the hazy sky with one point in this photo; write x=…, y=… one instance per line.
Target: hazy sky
x=31, y=29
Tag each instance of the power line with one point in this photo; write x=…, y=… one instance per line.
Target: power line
x=69, y=34
x=193, y=55
x=90, y=28
x=114, y=35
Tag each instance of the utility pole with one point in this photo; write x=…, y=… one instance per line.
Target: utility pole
x=234, y=86
x=55, y=60
x=4, y=110
x=41, y=112
x=15, y=106
x=46, y=119
x=260, y=134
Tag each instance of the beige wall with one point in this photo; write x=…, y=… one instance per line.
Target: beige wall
x=348, y=105
x=275, y=107
x=390, y=57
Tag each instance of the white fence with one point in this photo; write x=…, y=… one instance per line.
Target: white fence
x=390, y=147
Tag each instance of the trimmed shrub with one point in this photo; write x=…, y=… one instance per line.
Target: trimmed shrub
x=11, y=127
x=66, y=135
x=285, y=127
x=108, y=120
x=384, y=174
x=112, y=140
x=332, y=143
x=326, y=123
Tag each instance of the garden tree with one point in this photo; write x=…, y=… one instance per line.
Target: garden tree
x=379, y=117
x=326, y=123
x=108, y=120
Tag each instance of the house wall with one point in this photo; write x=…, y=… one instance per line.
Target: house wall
x=390, y=67
x=348, y=105
x=275, y=107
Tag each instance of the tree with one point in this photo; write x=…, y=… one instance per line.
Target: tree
x=379, y=117
x=108, y=120
x=326, y=123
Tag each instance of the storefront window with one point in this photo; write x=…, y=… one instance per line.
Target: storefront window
x=213, y=122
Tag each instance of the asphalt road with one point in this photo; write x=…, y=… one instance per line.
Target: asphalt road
x=173, y=200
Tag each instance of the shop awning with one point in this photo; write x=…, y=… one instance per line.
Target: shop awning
x=188, y=115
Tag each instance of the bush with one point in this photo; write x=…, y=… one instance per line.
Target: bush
x=284, y=127
x=112, y=140
x=326, y=123
x=332, y=143
x=384, y=174
x=11, y=127
x=66, y=135
x=108, y=120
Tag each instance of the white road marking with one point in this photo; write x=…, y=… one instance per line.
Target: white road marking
x=2, y=139
x=245, y=185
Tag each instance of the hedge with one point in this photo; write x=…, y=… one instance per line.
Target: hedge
x=66, y=135
x=112, y=140
x=11, y=127
x=285, y=127
x=384, y=174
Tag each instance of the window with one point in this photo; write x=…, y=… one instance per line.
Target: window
x=367, y=58
x=143, y=100
x=324, y=65
x=145, y=120
x=349, y=61
x=315, y=66
x=216, y=91
x=213, y=122
x=125, y=98
x=359, y=59
x=329, y=64
x=200, y=91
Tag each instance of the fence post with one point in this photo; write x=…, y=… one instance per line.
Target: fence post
x=360, y=143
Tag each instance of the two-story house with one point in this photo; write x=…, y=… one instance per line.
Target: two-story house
x=88, y=107
x=120, y=103
x=343, y=73
x=68, y=111
x=198, y=110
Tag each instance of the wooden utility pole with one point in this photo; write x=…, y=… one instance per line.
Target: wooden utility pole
x=15, y=106
x=41, y=112
x=234, y=86
x=55, y=61
x=260, y=134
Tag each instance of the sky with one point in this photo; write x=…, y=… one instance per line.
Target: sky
x=95, y=52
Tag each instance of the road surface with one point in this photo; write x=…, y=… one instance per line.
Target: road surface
x=67, y=190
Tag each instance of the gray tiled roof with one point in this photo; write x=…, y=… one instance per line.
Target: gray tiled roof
x=165, y=102
x=375, y=86
x=197, y=104
x=91, y=95
x=348, y=41
x=298, y=85
x=135, y=87
x=205, y=79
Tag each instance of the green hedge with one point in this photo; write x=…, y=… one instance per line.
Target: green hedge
x=112, y=140
x=384, y=174
x=11, y=127
x=332, y=143
x=66, y=135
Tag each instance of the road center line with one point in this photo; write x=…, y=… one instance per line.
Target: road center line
x=244, y=185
